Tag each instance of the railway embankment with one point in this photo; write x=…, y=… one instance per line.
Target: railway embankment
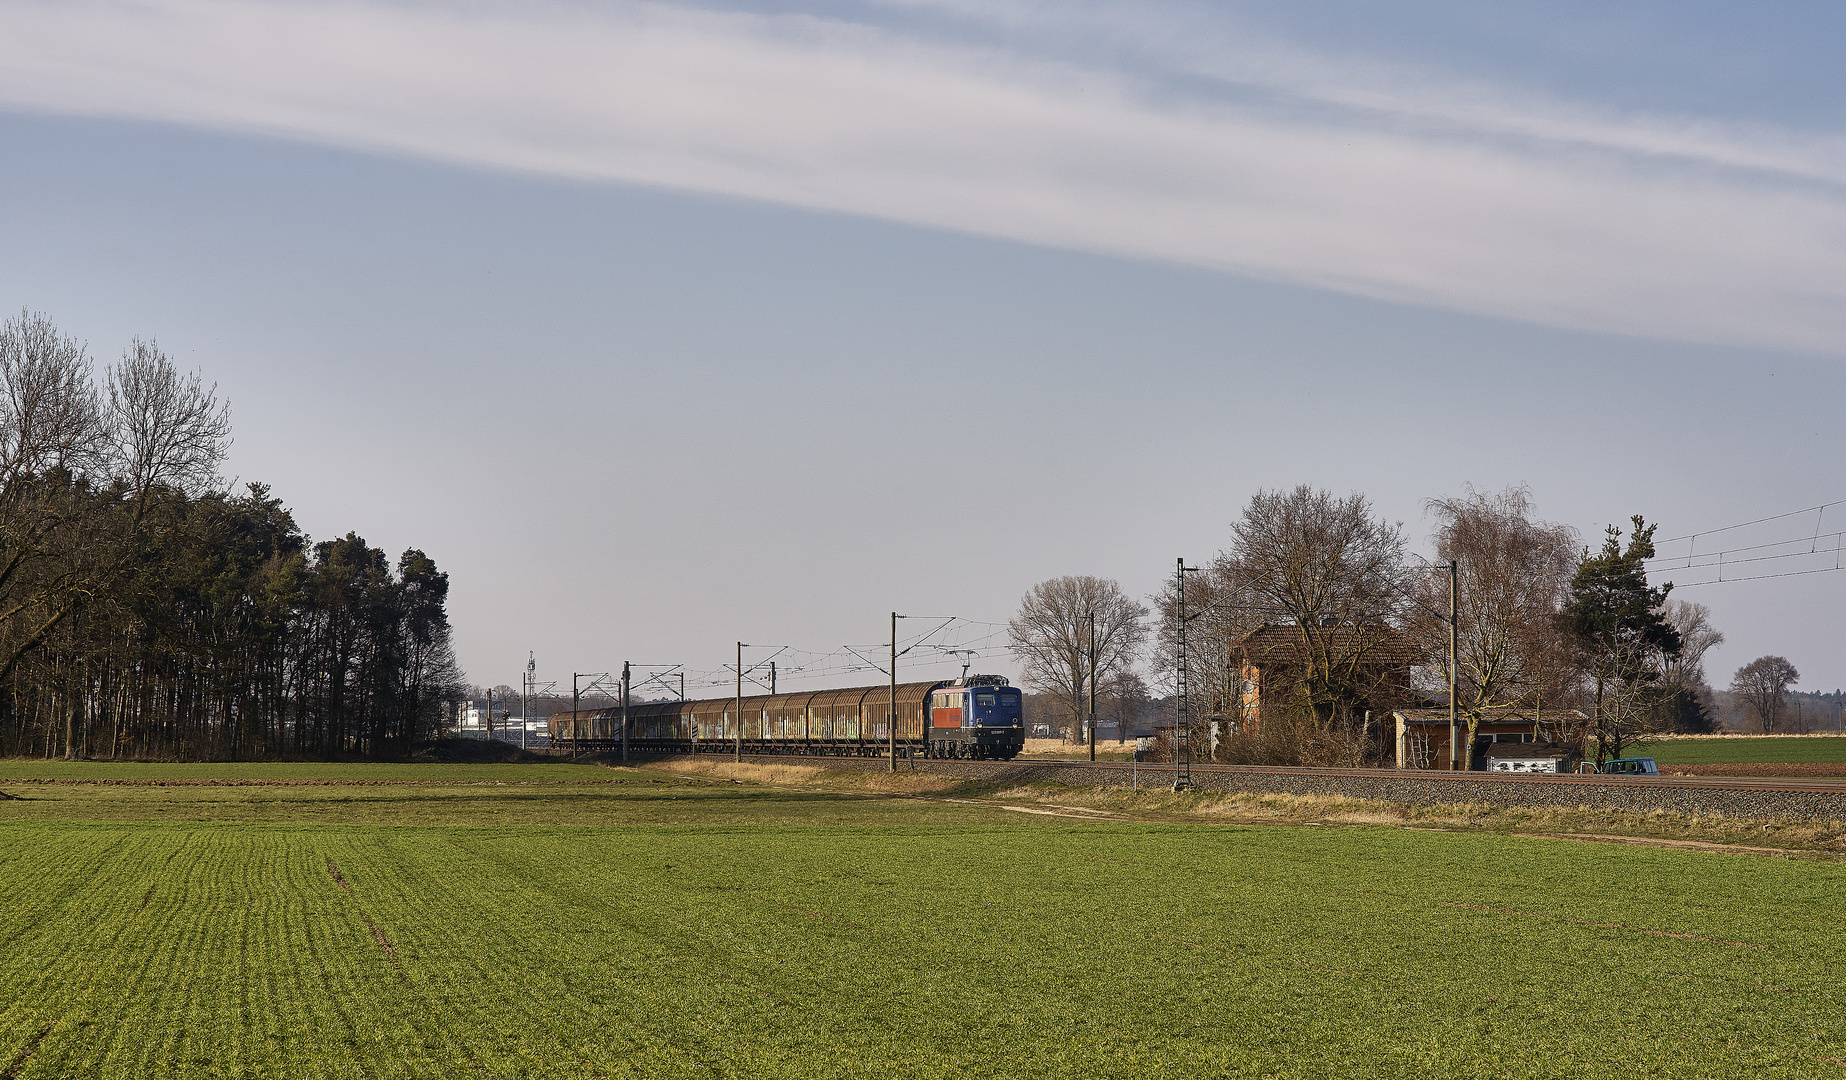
x=1761, y=799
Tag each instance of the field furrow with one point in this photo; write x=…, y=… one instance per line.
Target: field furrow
x=980, y=944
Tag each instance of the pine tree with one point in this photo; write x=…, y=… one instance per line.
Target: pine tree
x=1614, y=618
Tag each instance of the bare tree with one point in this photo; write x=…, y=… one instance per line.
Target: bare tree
x=1051, y=638
x=168, y=430
x=1332, y=572
x=1697, y=636
x=71, y=459
x=1763, y=685
x=1690, y=702
x=1218, y=613
x=1513, y=575
x=1124, y=700
x=52, y=437
x=50, y=416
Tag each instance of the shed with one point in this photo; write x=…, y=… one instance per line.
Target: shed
x=1423, y=734
x=1532, y=757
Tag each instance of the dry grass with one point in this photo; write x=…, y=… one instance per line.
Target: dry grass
x=1107, y=750
x=1739, y=736
x=810, y=776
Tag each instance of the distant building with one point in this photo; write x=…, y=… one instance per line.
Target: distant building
x=1272, y=661
x=1423, y=737
x=471, y=716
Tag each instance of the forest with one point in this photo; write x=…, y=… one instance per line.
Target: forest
x=149, y=612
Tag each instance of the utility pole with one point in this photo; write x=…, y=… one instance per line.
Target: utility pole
x=739, y=756
x=1179, y=667
x=575, y=731
x=524, y=696
x=624, y=711
x=1181, y=781
x=1454, y=619
x=490, y=714
x=772, y=678
x=891, y=715
x=1092, y=617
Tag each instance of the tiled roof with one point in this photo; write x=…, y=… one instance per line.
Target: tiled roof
x=1529, y=750
x=1491, y=716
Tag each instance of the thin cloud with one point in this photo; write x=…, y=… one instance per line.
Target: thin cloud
x=1676, y=231
x=1168, y=40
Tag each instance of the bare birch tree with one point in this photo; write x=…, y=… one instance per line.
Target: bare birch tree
x=1513, y=576
x=168, y=431
x=1691, y=705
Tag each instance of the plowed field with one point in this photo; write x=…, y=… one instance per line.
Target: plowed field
x=1757, y=768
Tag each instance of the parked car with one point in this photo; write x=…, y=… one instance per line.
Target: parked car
x=1630, y=766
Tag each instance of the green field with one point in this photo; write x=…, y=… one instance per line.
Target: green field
x=660, y=926
x=299, y=771
x=1768, y=749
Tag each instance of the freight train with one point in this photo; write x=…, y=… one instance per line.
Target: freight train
x=976, y=717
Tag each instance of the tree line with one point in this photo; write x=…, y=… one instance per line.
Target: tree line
x=1540, y=622
x=148, y=612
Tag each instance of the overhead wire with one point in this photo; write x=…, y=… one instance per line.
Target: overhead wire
x=813, y=666
x=1807, y=545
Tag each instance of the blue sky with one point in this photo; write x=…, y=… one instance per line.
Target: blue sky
x=768, y=321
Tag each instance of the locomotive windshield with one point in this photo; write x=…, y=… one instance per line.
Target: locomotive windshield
x=985, y=701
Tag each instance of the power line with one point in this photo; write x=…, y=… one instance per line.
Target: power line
x=1744, y=555
x=811, y=666
x=1753, y=577
x=1744, y=524
x=1721, y=558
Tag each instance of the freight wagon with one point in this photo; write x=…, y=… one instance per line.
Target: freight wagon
x=976, y=717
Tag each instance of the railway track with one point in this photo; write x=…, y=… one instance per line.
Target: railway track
x=1740, y=783
x=1153, y=771
x=1752, y=798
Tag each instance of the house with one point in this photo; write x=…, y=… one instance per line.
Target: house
x=470, y=718
x=1423, y=735
x=1374, y=662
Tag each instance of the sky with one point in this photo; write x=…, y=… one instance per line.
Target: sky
x=663, y=326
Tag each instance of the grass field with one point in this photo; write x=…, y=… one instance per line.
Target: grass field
x=674, y=926
x=1769, y=749
x=299, y=771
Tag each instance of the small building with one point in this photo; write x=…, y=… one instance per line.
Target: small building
x=1530, y=757
x=1271, y=660
x=1423, y=734
x=470, y=717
